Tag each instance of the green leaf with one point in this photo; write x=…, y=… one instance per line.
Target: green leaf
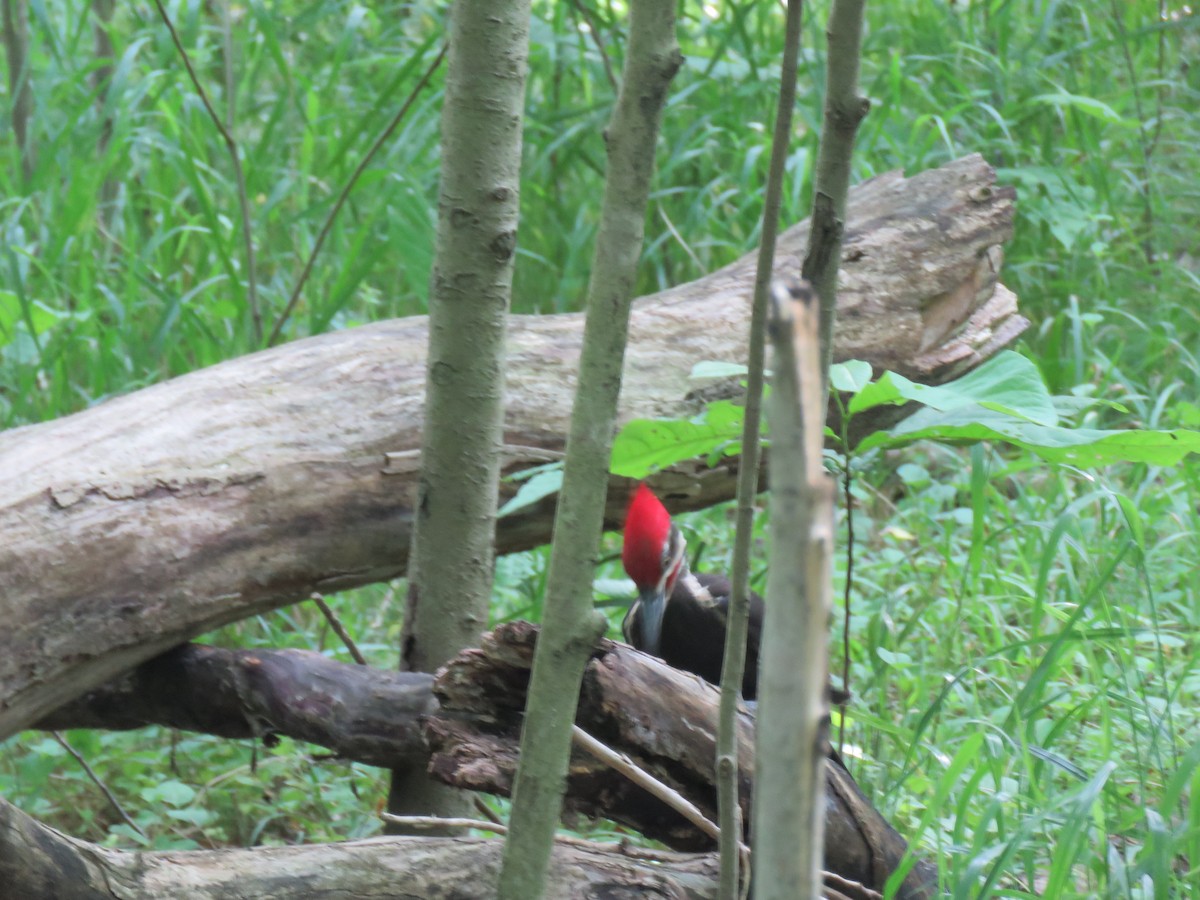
x=1008, y=383
x=850, y=376
x=1089, y=106
x=646, y=445
x=193, y=815
x=1085, y=447
x=546, y=482
x=171, y=792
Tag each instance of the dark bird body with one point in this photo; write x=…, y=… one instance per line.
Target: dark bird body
x=680, y=615
x=693, y=629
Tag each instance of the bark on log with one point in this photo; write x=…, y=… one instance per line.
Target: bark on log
x=39, y=863
x=663, y=719
x=362, y=714
x=151, y=518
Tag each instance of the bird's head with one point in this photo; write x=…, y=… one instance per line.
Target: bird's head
x=653, y=555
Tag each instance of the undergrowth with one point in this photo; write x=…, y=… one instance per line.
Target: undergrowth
x=1022, y=634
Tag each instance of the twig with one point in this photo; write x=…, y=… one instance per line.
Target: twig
x=738, y=617
x=847, y=480
x=595, y=33
x=341, y=200
x=621, y=763
x=847, y=888
x=486, y=811
x=231, y=146
x=336, y=624
x=112, y=800
x=435, y=822
x=438, y=822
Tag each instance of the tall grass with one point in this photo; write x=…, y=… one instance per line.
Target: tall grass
x=1023, y=635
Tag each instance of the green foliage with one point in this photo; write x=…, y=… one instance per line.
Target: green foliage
x=1022, y=632
x=1005, y=399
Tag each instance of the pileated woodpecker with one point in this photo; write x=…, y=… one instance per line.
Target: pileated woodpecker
x=679, y=615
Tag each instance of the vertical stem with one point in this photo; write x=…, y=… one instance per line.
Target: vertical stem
x=451, y=569
x=789, y=812
x=844, y=111
x=790, y=756
x=571, y=626
x=16, y=48
x=102, y=10
x=734, y=662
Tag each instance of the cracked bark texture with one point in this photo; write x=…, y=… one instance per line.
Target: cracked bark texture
x=148, y=519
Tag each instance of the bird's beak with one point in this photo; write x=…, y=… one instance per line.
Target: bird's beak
x=654, y=603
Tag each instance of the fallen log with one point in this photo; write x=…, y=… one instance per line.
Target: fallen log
x=137, y=524
x=666, y=722
x=359, y=713
x=39, y=863
x=663, y=719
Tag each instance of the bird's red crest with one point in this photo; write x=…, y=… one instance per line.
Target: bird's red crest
x=647, y=527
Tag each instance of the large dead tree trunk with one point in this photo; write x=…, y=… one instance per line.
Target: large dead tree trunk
x=39, y=863
x=664, y=719
x=151, y=518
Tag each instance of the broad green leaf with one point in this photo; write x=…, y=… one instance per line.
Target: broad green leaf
x=1009, y=383
x=646, y=445
x=171, y=792
x=851, y=376
x=1086, y=447
x=546, y=482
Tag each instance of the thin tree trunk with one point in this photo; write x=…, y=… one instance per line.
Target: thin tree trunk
x=571, y=625
x=791, y=741
x=16, y=48
x=789, y=808
x=844, y=111
x=470, y=291
x=733, y=664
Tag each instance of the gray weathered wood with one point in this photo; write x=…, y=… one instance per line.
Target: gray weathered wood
x=662, y=718
x=39, y=863
x=153, y=517
x=360, y=713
